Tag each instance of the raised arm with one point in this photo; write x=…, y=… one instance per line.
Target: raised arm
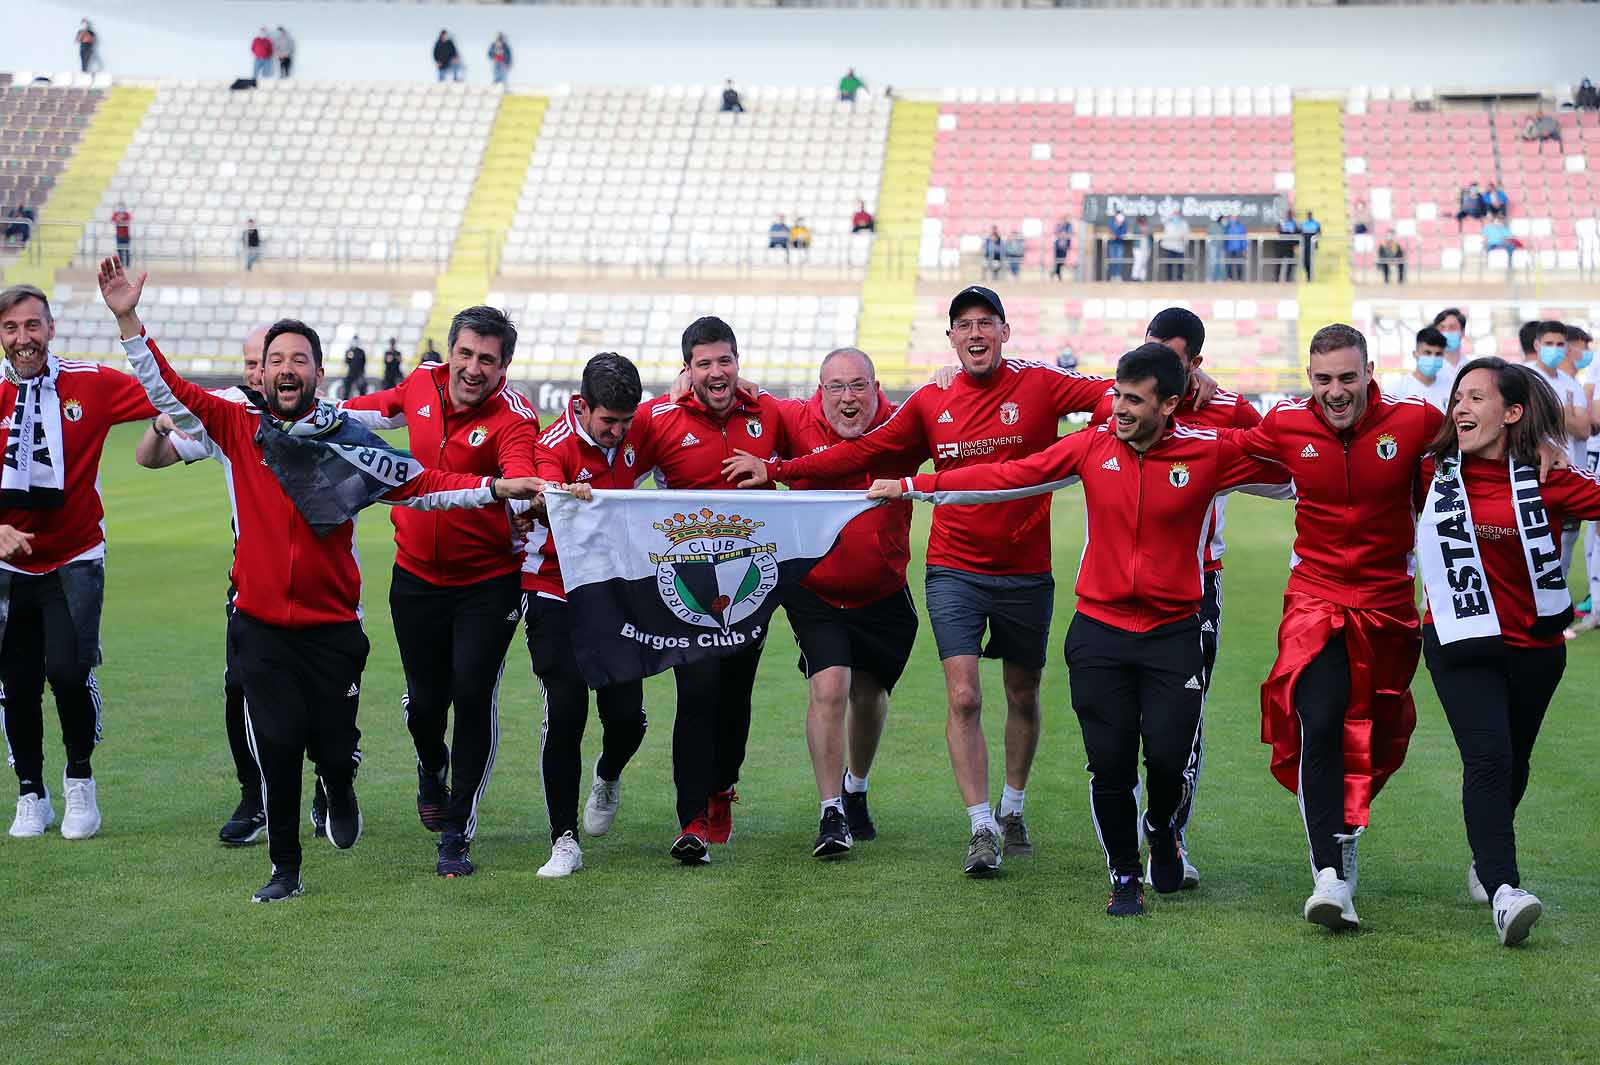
x=1239, y=471
x=903, y=434
x=378, y=410
x=997, y=482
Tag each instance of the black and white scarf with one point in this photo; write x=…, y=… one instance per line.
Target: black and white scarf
x=1452, y=568
x=328, y=465
x=35, y=462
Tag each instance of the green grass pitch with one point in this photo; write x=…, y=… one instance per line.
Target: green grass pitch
x=141, y=945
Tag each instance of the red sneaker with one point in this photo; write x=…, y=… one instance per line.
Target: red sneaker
x=690, y=846
x=719, y=815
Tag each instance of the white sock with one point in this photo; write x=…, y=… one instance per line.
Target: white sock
x=1010, y=800
x=853, y=784
x=835, y=803
x=982, y=816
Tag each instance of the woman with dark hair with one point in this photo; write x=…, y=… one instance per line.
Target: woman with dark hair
x=1488, y=547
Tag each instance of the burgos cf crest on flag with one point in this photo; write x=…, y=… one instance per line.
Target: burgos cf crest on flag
x=716, y=573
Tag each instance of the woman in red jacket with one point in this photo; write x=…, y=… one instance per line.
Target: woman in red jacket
x=1489, y=551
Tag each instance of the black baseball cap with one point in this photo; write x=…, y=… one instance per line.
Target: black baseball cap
x=977, y=294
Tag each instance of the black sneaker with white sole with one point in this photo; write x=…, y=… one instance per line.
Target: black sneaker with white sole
x=1018, y=844
x=245, y=825
x=285, y=884
x=344, y=815
x=319, y=811
x=1166, y=859
x=833, y=836
x=857, y=817
x=455, y=855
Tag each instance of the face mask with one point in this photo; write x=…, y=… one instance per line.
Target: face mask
x=1584, y=360
x=1429, y=365
x=1452, y=342
x=1552, y=355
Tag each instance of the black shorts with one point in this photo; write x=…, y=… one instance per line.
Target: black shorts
x=876, y=638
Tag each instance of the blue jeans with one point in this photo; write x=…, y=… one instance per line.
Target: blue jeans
x=500, y=70
x=263, y=69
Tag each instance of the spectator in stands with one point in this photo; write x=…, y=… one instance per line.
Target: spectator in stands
x=778, y=236
x=392, y=370
x=1390, y=253
x=1287, y=251
x=261, y=51
x=252, y=244
x=1062, y=245
x=1587, y=98
x=1236, y=247
x=994, y=252
x=1472, y=205
x=1495, y=201
x=1496, y=235
x=1117, y=248
x=730, y=98
x=430, y=354
x=1174, y=246
x=1310, y=232
x=1016, y=248
x=283, y=48
x=446, y=57
x=1068, y=359
x=19, y=224
x=500, y=58
x=87, y=40
x=1541, y=128
x=355, y=369
x=849, y=85
x=122, y=220
x=800, y=235
x=1214, y=242
x=1361, y=218
x=862, y=220
x=1143, y=241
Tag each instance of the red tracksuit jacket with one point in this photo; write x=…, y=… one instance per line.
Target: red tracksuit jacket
x=93, y=399
x=869, y=560
x=1227, y=410
x=493, y=439
x=565, y=454
x=1355, y=516
x=688, y=442
x=1011, y=414
x=1148, y=513
x=284, y=573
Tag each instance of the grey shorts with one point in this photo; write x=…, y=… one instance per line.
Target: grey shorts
x=1016, y=609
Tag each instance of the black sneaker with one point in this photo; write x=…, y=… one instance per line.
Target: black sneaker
x=1018, y=844
x=1166, y=859
x=344, y=815
x=833, y=836
x=857, y=817
x=246, y=824
x=690, y=847
x=285, y=884
x=319, y=811
x=433, y=799
x=455, y=855
x=1127, y=897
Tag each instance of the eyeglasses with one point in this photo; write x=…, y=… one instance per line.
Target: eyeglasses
x=975, y=325
x=855, y=388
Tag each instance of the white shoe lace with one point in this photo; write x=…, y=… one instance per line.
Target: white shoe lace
x=77, y=797
x=607, y=793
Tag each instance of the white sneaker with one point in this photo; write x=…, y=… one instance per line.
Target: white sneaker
x=1331, y=904
x=1515, y=911
x=81, y=819
x=34, y=815
x=1475, y=888
x=601, y=809
x=566, y=858
x=1347, y=853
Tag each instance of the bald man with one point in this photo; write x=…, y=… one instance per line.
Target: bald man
x=165, y=444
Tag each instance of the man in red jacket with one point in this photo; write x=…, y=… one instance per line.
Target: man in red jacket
x=689, y=440
x=852, y=616
x=455, y=596
x=295, y=633
x=1337, y=707
x=52, y=540
x=1133, y=649
x=588, y=447
x=988, y=568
